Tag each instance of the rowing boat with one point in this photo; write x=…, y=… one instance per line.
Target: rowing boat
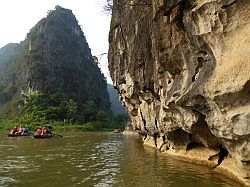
x=117, y=131
x=18, y=135
x=41, y=136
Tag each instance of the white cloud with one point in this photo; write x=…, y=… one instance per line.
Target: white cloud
x=18, y=17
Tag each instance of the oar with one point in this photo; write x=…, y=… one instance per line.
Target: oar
x=31, y=133
x=58, y=135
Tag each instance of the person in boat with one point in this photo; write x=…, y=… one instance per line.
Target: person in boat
x=117, y=131
x=44, y=131
x=47, y=129
x=19, y=130
x=39, y=131
x=14, y=130
x=25, y=130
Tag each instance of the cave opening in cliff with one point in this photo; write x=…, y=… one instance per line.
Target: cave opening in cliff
x=194, y=145
x=179, y=136
x=200, y=131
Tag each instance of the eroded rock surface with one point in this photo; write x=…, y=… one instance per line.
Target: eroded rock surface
x=182, y=68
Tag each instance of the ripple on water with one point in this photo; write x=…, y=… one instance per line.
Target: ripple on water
x=7, y=165
x=107, y=181
x=38, y=156
x=48, y=158
x=107, y=166
x=3, y=145
x=80, y=166
x=5, y=181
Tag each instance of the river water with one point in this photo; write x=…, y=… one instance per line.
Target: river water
x=96, y=159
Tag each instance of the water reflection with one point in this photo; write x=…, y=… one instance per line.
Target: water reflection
x=96, y=159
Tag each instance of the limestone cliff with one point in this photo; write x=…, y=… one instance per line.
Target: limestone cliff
x=182, y=68
x=52, y=74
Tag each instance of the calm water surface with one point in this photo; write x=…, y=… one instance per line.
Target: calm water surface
x=96, y=159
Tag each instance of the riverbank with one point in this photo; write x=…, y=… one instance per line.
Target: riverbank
x=200, y=155
x=7, y=125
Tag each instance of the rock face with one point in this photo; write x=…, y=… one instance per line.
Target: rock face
x=182, y=69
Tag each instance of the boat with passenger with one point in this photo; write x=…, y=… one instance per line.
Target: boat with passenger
x=117, y=131
x=19, y=131
x=44, y=132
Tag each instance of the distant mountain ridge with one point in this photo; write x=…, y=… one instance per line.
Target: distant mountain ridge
x=9, y=53
x=116, y=105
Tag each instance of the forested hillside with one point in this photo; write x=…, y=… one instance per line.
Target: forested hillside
x=7, y=53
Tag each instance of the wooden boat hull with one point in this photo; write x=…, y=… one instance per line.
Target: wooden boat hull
x=39, y=136
x=18, y=135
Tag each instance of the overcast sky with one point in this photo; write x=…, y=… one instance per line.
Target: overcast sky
x=17, y=17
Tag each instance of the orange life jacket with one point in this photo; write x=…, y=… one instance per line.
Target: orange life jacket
x=39, y=131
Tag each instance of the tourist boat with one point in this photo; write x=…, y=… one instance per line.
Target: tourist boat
x=117, y=131
x=41, y=136
x=18, y=135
